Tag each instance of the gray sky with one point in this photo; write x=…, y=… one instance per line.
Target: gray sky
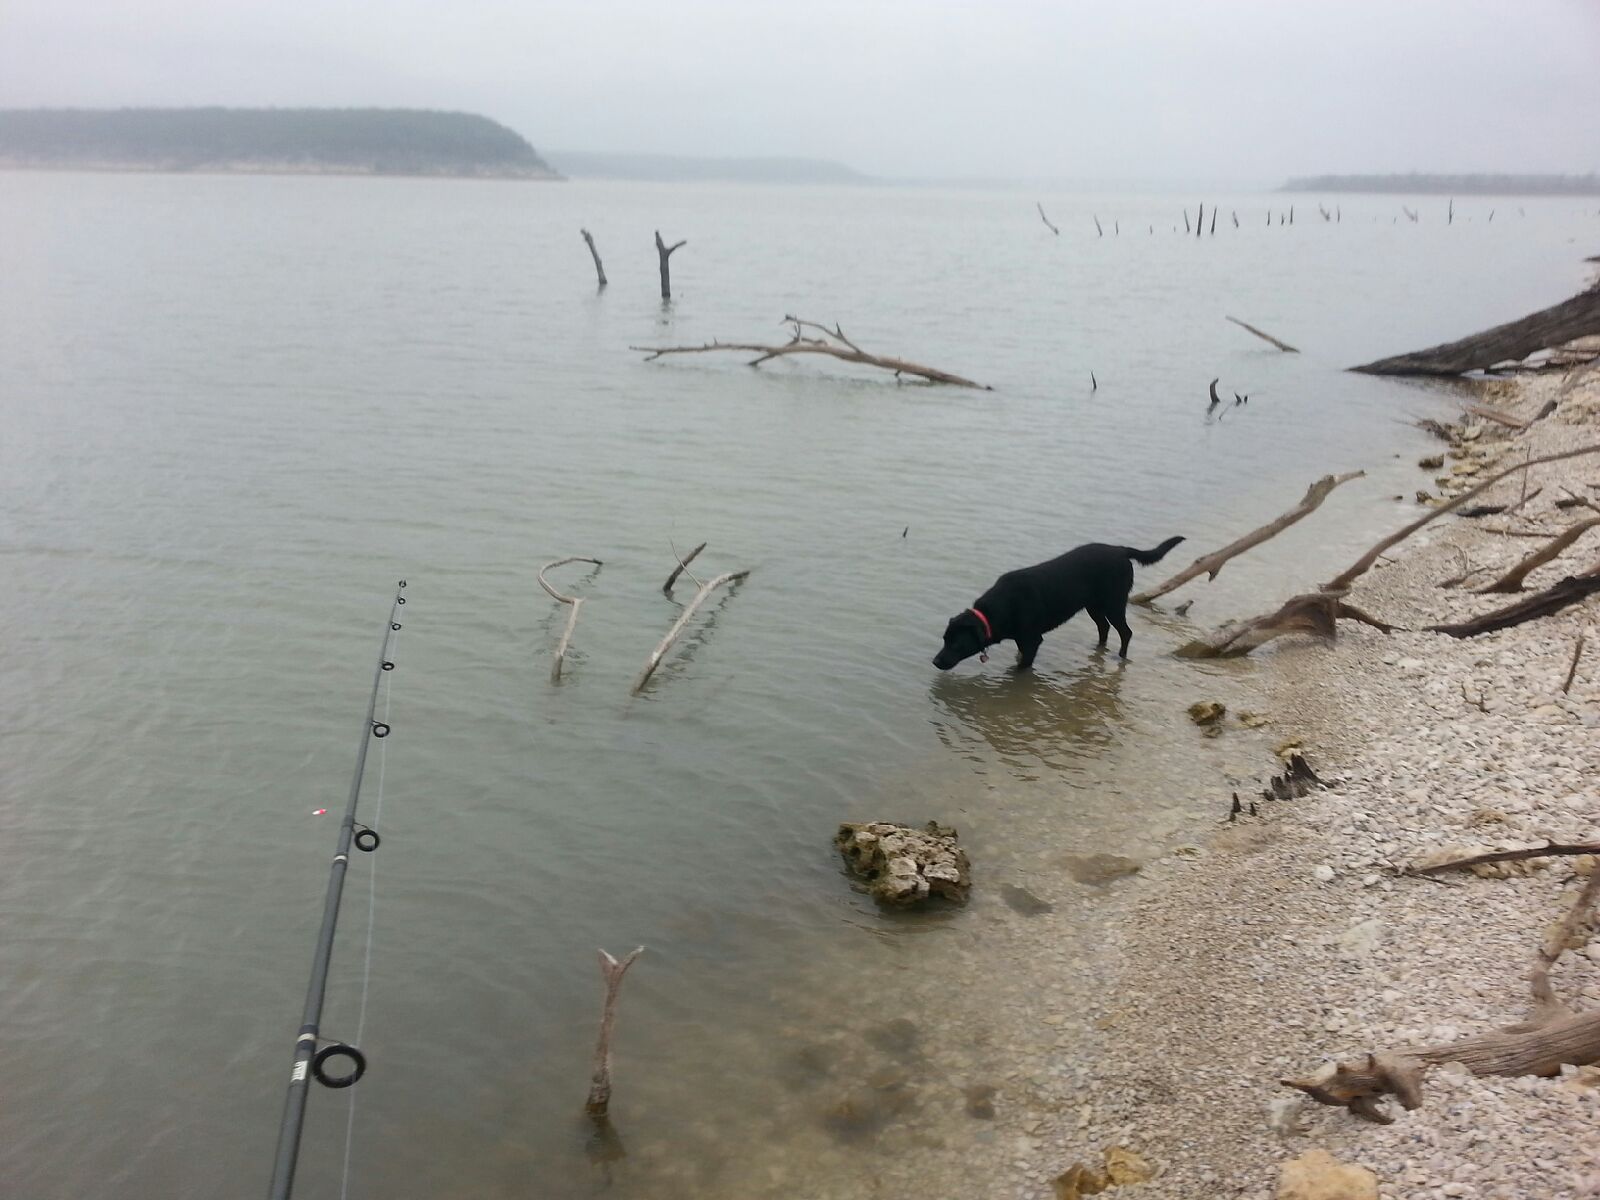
x=1165, y=89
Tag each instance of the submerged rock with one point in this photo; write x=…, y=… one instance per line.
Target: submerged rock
x=1207, y=712
x=980, y=1100
x=1020, y=899
x=903, y=865
x=898, y=1037
x=1100, y=868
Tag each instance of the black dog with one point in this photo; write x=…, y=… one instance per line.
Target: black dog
x=1025, y=605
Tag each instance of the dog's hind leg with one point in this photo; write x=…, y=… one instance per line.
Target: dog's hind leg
x=1103, y=625
x=1119, y=621
x=1027, y=647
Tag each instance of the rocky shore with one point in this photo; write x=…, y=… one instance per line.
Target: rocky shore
x=1292, y=939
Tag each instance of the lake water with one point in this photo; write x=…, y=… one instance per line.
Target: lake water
x=233, y=411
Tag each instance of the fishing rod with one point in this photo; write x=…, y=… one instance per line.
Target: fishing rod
x=309, y=1059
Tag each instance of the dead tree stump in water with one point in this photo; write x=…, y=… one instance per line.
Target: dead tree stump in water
x=594, y=254
x=664, y=251
x=611, y=971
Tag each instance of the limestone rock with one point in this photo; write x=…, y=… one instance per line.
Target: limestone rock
x=1207, y=712
x=1317, y=1175
x=904, y=866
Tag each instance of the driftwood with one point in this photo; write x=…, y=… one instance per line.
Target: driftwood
x=1498, y=417
x=1574, y=318
x=1314, y=613
x=573, y=602
x=1266, y=337
x=683, y=565
x=1572, y=671
x=594, y=254
x=1548, y=850
x=611, y=972
x=1046, y=219
x=1553, y=599
x=831, y=342
x=660, y=651
x=1511, y=581
x=1364, y=563
x=1215, y=399
x=1211, y=564
x=664, y=252
x=1554, y=1036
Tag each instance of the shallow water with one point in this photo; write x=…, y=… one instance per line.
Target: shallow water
x=236, y=410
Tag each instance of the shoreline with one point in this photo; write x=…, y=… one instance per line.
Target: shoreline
x=1248, y=963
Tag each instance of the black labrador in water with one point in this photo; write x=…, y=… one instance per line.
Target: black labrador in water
x=1026, y=604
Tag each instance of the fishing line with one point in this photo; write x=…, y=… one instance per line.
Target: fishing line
x=325, y=1064
x=372, y=913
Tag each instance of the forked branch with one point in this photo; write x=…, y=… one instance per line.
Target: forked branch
x=660, y=651
x=573, y=602
x=830, y=342
x=611, y=973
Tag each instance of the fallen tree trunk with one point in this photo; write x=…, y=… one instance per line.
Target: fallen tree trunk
x=1511, y=581
x=1574, y=318
x=1553, y=599
x=1363, y=564
x=660, y=651
x=1314, y=613
x=1266, y=337
x=594, y=254
x=1211, y=564
x=1046, y=219
x=833, y=343
x=573, y=602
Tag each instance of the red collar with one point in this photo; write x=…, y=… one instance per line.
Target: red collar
x=988, y=632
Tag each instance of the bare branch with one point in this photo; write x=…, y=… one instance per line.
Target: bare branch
x=847, y=351
x=574, y=602
x=1211, y=564
x=1511, y=581
x=683, y=565
x=1364, y=563
x=660, y=651
x=1266, y=337
x=594, y=254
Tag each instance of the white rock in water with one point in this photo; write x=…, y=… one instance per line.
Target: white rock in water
x=1322, y=873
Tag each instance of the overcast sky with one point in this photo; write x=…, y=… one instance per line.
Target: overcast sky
x=1166, y=89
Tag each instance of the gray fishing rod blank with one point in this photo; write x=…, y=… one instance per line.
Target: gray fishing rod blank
x=314, y=1053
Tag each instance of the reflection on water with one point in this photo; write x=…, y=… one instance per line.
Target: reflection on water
x=1039, y=719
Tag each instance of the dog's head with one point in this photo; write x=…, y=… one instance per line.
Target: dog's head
x=963, y=638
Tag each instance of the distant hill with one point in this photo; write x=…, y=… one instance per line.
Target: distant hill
x=364, y=141
x=1456, y=185
x=670, y=168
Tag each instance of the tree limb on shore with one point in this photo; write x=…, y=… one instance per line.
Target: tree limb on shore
x=1314, y=612
x=832, y=342
x=574, y=602
x=1553, y=599
x=1364, y=563
x=1511, y=581
x=1553, y=326
x=1211, y=564
x=1548, y=850
x=1554, y=1036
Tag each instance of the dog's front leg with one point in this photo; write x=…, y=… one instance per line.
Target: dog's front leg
x=1027, y=647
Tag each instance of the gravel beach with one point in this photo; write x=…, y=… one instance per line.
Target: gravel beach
x=1290, y=939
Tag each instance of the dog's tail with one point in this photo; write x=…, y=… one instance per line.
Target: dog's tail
x=1145, y=557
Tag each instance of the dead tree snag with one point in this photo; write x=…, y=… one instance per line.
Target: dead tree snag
x=664, y=252
x=599, y=269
